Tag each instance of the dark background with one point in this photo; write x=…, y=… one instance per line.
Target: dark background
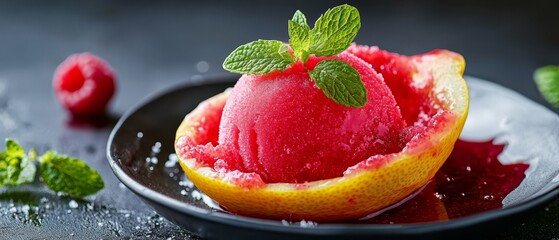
x=152, y=45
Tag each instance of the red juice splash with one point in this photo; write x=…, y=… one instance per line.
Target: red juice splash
x=471, y=181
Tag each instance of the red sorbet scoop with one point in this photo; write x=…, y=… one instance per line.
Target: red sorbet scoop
x=285, y=129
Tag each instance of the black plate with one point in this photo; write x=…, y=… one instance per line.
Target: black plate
x=148, y=130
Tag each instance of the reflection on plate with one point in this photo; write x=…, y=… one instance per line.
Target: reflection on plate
x=140, y=151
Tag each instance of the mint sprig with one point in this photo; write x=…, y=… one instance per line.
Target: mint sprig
x=332, y=34
x=300, y=19
x=547, y=81
x=60, y=173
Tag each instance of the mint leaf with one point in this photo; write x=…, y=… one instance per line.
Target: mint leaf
x=299, y=36
x=27, y=172
x=13, y=148
x=547, y=81
x=259, y=57
x=300, y=19
x=299, y=39
x=15, y=167
x=335, y=30
x=70, y=175
x=340, y=82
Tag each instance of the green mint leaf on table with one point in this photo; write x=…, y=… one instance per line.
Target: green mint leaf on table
x=334, y=31
x=259, y=57
x=15, y=166
x=332, y=34
x=547, y=81
x=70, y=175
x=60, y=173
x=14, y=149
x=340, y=82
x=27, y=173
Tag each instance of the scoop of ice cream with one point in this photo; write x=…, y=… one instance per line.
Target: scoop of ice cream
x=284, y=128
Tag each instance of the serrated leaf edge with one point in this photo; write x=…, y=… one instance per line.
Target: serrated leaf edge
x=350, y=100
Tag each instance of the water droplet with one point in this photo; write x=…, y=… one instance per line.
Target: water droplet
x=489, y=197
x=13, y=210
x=439, y=195
x=202, y=66
x=25, y=209
x=307, y=224
x=196, y=195
x=73, y=204
x=172, y=160
x=140, y=135
x=186, y=183
x=156, y=148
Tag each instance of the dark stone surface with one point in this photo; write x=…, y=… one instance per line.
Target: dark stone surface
x=153, y=45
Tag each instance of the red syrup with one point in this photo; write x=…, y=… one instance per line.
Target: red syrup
x=471, y=181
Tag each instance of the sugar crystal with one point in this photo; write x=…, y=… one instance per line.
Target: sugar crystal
x=73, y=204
x=196, y=195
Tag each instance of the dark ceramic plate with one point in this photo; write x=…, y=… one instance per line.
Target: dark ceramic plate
x=139, y=147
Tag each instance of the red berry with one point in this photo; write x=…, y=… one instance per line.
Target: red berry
x=84, y=84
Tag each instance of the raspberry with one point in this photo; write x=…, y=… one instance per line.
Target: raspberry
x=84, y=84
